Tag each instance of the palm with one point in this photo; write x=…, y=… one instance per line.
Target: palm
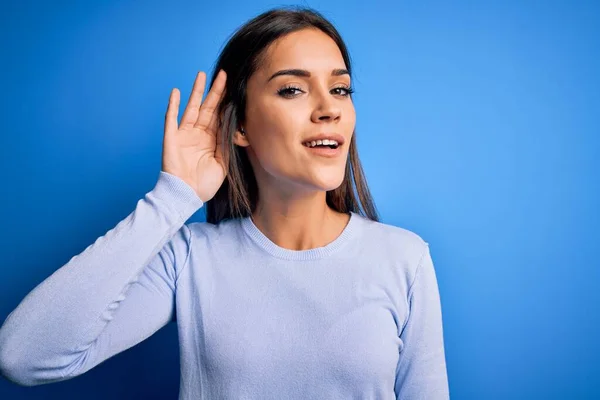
x=191, y=150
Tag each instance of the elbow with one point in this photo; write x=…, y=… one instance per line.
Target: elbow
x=15, y=365
x=28, y=367
x=12, y=366
x=24, y=373
x=15, y=370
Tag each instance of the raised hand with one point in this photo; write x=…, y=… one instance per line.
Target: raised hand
x=192, y=150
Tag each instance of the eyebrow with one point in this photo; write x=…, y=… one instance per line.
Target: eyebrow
x=305, y=73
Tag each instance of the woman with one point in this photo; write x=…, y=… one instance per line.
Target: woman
x=291, y=289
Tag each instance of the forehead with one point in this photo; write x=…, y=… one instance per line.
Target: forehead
x=309, y=49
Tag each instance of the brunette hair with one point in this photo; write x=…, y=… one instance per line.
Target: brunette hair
x=240, y=58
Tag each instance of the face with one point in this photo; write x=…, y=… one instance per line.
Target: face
x=300, y=92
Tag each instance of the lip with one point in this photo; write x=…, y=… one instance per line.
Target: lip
x=325, y=151
x=334, y=136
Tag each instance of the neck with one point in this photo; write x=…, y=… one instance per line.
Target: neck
x=300, y=222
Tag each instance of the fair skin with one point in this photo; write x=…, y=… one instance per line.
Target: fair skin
x=292, y=182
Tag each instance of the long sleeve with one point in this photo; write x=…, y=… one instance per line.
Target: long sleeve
x=116, y=293
x=421, y=372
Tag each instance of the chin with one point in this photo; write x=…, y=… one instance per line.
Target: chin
x=327, y=183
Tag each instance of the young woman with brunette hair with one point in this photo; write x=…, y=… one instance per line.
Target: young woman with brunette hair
x=291, y=289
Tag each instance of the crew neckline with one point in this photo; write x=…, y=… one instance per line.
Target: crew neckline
x=300, y=255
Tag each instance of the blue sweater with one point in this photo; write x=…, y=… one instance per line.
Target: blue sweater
x=359, y=318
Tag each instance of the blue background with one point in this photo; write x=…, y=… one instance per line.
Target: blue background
x=478, y=128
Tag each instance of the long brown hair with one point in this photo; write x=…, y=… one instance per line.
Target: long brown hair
x=240, y=58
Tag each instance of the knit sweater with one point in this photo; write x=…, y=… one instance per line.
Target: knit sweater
x=359, y=318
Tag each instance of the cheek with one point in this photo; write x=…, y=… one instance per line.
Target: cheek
x=276, y=129
x=284, y=115
x=349, y=115
x=275, y=125
x=265, y=120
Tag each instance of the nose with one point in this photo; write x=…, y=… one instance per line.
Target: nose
x=326, y=108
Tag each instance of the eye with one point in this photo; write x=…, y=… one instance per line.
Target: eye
x=346, y=91
x=288, y=91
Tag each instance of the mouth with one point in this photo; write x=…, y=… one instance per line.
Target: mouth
x=324, y=148
x=325, y=143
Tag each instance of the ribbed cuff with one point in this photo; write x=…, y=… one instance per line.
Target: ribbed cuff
x=177, y=194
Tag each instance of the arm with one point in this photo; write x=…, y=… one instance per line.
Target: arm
x=421, y=371
x=116, y=293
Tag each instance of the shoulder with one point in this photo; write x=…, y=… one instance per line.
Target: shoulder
x=205, y=232
x=392, y=237
x=396, y=245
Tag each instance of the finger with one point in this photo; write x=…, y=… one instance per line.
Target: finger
x=220, y=144
x=215, y=95
x=172, y=111
x=212, y=126
x=219, y=152
x=191, y=110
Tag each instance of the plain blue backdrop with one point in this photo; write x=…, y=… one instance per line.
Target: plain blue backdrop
x=477, y=124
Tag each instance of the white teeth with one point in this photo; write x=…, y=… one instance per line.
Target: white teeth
x=324, y=142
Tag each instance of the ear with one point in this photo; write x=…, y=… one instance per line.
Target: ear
x=240, y=139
